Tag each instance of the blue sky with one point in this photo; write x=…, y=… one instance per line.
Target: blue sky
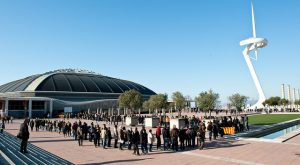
x=166, y=45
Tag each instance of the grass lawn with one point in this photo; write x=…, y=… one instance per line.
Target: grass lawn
x=267, y=119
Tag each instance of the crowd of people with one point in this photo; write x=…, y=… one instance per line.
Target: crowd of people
x=4, y=120
x=113, y=134
x=166, y=137
x=120, y=137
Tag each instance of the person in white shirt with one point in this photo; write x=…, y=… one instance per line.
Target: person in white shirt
x=150, y=140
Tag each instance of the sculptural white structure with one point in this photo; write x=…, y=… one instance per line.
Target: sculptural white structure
x=253, y=44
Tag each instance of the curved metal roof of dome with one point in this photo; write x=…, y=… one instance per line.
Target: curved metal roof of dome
x=70, y=80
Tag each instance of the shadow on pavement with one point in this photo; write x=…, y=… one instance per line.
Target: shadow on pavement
x=48, y=137
x=117, y=161
x=222, y=144
x=41, y=141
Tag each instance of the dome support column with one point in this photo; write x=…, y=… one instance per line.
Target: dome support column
x=6, y=107
x=30, y=108
x=50, y=108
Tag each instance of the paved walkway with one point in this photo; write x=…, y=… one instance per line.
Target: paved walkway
x=294, y=141
x=217, y=152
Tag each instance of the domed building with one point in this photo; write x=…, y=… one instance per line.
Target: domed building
x=62, y=91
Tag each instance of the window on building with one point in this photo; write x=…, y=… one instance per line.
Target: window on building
x=17, y=105
x=38, y=105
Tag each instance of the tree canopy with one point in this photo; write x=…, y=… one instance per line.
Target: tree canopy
x=272, y=101
x=283, y=102
x=207, y=100
x=131, y=99
x=275, y=101
x=158, y=101
x=179, y=100
x=238, y=101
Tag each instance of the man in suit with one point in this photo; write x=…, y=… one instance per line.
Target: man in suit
x=24, y=136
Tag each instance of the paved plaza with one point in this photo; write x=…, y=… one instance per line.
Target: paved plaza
x=222, y=151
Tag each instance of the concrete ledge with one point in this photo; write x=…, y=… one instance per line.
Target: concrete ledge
x=179, y=123
x=152, y=122
x=132, y=121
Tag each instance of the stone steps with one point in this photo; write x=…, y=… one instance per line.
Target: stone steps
x=10, y=146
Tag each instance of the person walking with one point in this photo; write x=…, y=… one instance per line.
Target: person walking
x=97, y=137
x=11, y=119
x=31, y=123
x=2, y=126
x=210, y=130
x=104, y=136
x=80, y=136
x=115, y=136
x=201, y=137
x=136, y=141
x=109, y=137
x=24, y=136
x=215, y=130
x=74, y=129
x=129, y=138
x=121, y=138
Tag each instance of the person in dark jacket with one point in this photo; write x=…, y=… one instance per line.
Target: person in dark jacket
x=2, y=126
x=129, y=137
x=31, y=125
x=174, y=138
x=193, y=136
x=24, y=136
x=121, y=138
x=210, y=130
x=201, y=137
x=166, y=137
x=96, y=137
x=136, y=141
x=182, y=135
x=144, y=140
x=109, y=137
x=215, y=130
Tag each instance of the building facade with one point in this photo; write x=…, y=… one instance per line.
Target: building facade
x=56, y=92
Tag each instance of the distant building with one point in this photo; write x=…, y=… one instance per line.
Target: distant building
x=55, y=92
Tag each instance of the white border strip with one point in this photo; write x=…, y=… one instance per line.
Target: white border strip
x=6, y=158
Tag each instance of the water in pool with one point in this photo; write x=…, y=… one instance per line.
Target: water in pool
x=281, y=132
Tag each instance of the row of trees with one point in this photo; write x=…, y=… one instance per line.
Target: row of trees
x=206, y=101
x=277, y=101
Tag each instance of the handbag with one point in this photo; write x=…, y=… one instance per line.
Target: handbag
x=19, y=135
